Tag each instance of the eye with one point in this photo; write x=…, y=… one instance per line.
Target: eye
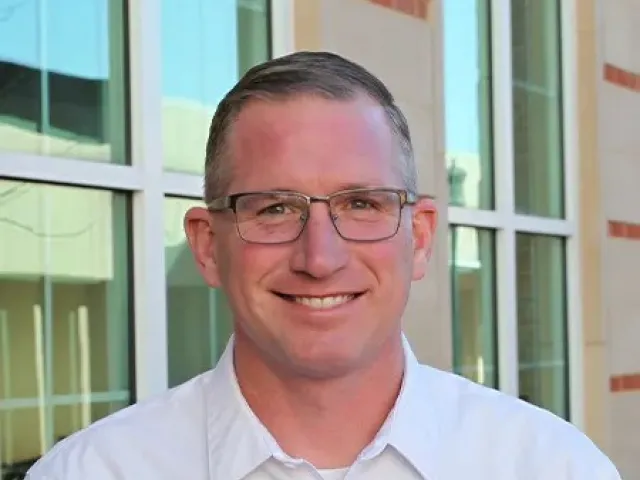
x=275, y=209
x=360, y=204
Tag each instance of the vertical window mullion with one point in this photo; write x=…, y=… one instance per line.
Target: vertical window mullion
x=505, y=204
x=282, y=28
x=145, y=80
x=572, y=213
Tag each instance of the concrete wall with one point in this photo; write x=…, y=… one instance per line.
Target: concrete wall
x=609, y=149
x=595, y=339
x=619, y=151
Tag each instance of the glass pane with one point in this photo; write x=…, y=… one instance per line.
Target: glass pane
x=472, y=268
x=72, y=414
x=199, y=320
x=64, y=312
x=62, y=81
x=467, y=64
x=200, y=65
x=542, y=322
x=254, y=35
x=537, y=107
x=23, y=439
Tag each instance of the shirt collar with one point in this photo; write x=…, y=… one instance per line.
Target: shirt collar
x=411, y=428
x=414, y=421
x=236, y=438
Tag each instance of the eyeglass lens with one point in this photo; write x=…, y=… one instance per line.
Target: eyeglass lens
x=280, y=217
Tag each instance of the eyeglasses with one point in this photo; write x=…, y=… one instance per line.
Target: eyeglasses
x=272, y=217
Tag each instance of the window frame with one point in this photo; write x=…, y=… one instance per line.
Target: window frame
x=143, y=179
x=507, y=223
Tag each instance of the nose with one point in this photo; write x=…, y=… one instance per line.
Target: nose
x=320, y=251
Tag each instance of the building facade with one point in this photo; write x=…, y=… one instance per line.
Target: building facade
x=524, y=116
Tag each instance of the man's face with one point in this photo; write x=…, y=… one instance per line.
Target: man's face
x=316, y=147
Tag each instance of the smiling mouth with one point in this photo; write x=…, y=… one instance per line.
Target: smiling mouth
x=320, y=303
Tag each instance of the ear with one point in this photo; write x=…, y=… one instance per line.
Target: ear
x=425, y=219
x=199, y=229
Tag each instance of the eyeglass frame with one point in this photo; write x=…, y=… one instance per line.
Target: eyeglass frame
x=229, y=202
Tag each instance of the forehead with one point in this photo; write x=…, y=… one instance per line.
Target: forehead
x=313, y=144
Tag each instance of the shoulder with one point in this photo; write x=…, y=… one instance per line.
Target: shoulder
x=491, y=423
x=150, y=433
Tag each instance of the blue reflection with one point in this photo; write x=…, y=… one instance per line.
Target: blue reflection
x=71, y=37
x=461, y=64
x=199, y=54
x=64, y=36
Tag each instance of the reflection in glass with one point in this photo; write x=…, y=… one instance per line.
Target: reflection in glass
x=537, y=107
x=62, y=79
x=200, y=64
x=467, y=63
x=472, y=269
x=253, y=34
x=64, y=314
x=199, y=322
x=73, y=416
x=542, y=322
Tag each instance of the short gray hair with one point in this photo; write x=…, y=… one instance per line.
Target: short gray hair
x=325, y=74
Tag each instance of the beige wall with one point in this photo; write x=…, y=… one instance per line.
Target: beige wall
x=609, y=124
x=619, y=103
x=405, y=51
x=596, y=399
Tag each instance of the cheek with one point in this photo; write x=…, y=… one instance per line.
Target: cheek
x=391, y=264
x=391, y=261
x=243, y=266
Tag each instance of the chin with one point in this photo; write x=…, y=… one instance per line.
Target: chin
x=324, y=359
x=322, y=368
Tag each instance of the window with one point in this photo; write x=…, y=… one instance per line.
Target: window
x=78, y=237
x=509, y=256
x=469, y=156
x=472, y=267
x=537, y=104
x=542, y=324
x=202, y=57
x=64, y=314
x=200, y=64
x=467, y=61
x=62, y=82
x=199, y=321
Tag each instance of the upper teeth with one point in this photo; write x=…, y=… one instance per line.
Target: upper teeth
x=323, y=302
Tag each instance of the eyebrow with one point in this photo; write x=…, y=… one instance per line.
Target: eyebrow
x=355, y=186
x=342, y=186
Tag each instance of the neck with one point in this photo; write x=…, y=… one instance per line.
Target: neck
x=327, y=421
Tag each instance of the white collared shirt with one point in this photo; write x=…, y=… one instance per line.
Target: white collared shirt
x=442, y=427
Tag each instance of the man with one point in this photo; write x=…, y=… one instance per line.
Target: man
x=315, y=232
